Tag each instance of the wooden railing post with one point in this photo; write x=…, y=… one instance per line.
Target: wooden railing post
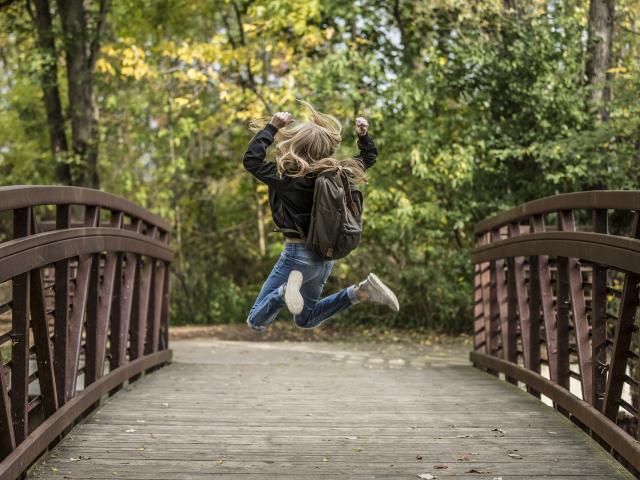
x=20, y=337
x=61, y=320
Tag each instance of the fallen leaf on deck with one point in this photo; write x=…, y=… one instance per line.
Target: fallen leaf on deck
x=498, y=430
x=464, y=436
x=466, y=457
x=440, y=466
x=351, y=438
x=427, y=476
x=515, y=455
x=164, y=405
x=476, y=470
x=131, y=430
x=356, y=449
x=418, y=457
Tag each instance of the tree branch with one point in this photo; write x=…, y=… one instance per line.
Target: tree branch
x=253, y=86
x=7, y=3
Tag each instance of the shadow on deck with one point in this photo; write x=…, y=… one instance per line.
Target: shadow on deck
x=314, y=410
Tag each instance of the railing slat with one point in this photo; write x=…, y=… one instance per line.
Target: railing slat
x=500, y=307
x=479, y=337
x=41, y=339
x=563, y=310
x=519, y=304
x=61, y=320
x=97, y=341
x=485, y=275
x=79, y=310
x=599, y=319
x=623, y=333
x=164, y=314
x=578, y=310
x=542, y=300
x=140, y=311
x=155, y=313
x=44, y=353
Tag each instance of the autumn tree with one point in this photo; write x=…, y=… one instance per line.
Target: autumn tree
x=82, y=26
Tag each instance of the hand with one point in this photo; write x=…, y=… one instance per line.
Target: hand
x=362, y=125
x=281, y=119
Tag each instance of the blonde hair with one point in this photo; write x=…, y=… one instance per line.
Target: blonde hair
x=309, y=147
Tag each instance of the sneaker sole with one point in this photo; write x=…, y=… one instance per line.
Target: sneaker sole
x=292, y=297
x=393, y=302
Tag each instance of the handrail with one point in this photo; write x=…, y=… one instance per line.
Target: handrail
x=544, y=294
x=602, y=199
x=109, y=314
x=620, y=252
x=19, y=196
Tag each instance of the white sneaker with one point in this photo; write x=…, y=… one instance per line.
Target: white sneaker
x=292, y=296
x=378, y=292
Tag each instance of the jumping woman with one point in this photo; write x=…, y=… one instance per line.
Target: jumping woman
x=304, y=150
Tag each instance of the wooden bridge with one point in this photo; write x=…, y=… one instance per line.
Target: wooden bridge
x=84, y=289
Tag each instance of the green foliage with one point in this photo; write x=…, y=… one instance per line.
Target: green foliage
x=473, y=109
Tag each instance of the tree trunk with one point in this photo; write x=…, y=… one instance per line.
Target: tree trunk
x=51, y=91
x=601, y=24
x=81, y=53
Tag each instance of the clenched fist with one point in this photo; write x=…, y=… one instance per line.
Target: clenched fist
x=281, y=119
x=362, y=125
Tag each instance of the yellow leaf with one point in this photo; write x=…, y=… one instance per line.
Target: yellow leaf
x=104, y=67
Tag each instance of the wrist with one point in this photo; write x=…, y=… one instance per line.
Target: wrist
x=270, y=127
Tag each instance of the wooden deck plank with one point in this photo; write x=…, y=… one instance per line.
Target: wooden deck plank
x=317, y=411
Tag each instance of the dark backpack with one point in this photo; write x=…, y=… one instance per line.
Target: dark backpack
x=336, y=220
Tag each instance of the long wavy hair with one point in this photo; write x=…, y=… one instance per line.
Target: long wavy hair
x=309, y=147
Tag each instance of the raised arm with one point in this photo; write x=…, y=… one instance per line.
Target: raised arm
x=368, y=150
x=254, y=158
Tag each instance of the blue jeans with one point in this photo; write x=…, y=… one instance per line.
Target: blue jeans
x=315, y=272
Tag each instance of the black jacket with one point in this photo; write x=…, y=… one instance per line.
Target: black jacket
x=291, y=198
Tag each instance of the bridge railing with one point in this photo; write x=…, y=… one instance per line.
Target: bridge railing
x=84, y=287
x=556, y=299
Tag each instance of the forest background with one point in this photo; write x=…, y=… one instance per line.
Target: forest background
x=475, y=106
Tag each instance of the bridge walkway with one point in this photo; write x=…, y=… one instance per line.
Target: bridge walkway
x=257, y=410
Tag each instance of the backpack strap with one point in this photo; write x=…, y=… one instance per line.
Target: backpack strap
x=346, y=185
